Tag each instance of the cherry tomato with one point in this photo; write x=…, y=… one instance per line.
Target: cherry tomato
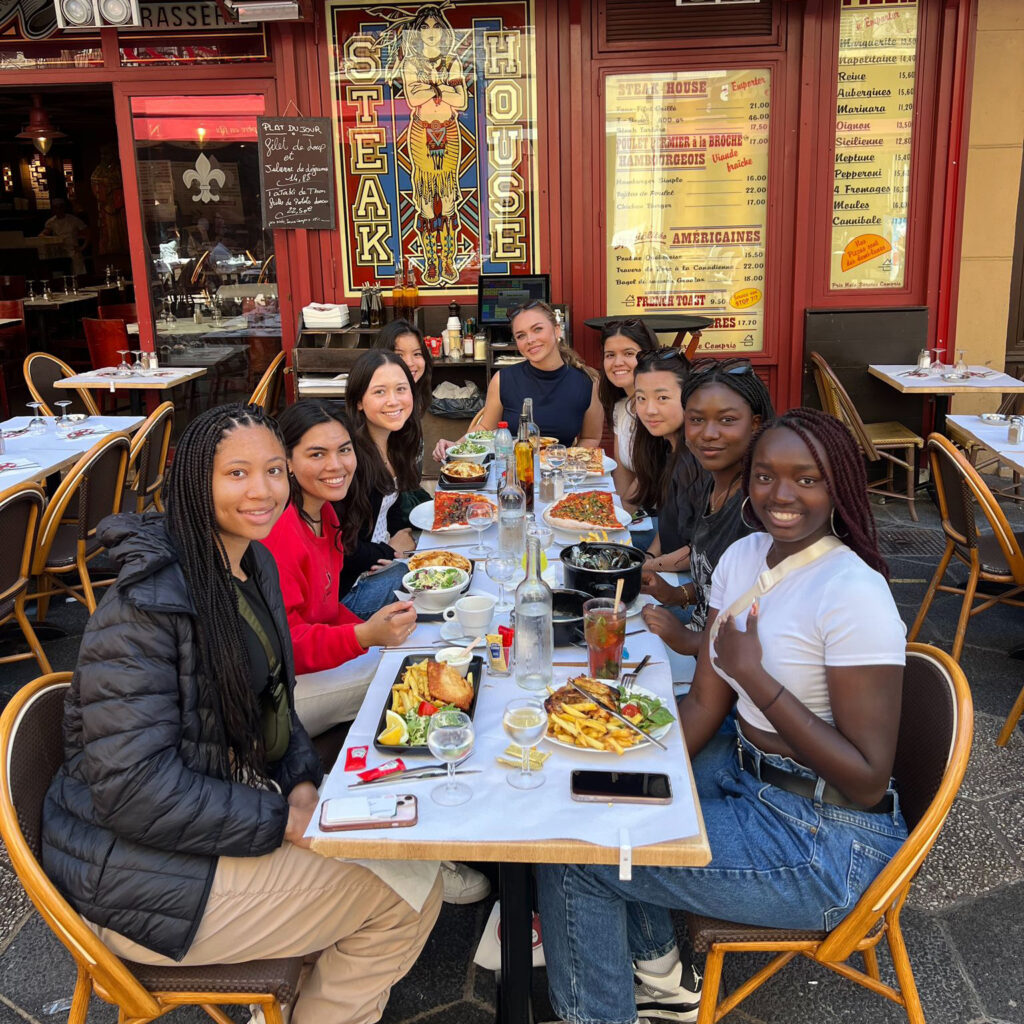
x=426, y=709
x=629, y=710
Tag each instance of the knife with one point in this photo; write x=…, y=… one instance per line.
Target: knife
x=415, y=775
x=615, y=714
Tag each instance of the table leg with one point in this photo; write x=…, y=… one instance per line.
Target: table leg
x=516, y=894
x=135, y=401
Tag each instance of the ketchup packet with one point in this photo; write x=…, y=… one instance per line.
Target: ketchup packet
x=355, y=758
x=387, y=768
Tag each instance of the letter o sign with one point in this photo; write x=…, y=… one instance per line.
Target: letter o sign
x=504, y=101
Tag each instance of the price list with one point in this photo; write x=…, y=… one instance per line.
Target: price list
x=874, y=114
x=687, y=199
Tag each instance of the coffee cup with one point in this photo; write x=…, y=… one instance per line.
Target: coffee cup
x=473, y=613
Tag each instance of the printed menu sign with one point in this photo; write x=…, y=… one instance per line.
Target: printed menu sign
x=687, y=199
x=874, y=111
x=297, y=172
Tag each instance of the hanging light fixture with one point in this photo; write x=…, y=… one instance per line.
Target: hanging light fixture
x=39, y=131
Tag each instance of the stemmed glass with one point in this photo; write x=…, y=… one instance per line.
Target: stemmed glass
x=31, y=292
x=137, y=366
x=555, y=455
x=525, y=721
x=450, y=738
x=67, y=284
x=62, y=426
x=501, y=567
x=575, y=472
x=36, y=425
x=961, y=369
x=124, y=368
x=480, y=516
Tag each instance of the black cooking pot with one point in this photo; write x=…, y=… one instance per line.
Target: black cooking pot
x=601, y=582
x=567, y=616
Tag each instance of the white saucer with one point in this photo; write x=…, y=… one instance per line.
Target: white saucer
x=453, y=631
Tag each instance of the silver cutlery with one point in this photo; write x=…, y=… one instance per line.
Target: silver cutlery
x=396, y=777
x=617, y=716
x=630, y=677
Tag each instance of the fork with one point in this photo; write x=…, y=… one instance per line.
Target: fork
x=629, y=679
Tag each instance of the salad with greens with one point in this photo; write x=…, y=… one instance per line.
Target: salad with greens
x=652, y=710
x=468, y=448
x=484, y=437
x=435, y=578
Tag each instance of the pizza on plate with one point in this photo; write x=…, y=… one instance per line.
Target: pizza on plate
x=584, y=510
x=593, y=457
x=451, y=509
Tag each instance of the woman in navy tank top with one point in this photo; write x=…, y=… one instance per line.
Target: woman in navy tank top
x=562, y=386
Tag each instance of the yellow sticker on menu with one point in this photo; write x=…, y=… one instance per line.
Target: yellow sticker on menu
x=745, y=298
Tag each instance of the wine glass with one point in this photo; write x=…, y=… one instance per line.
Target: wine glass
x=37, y=424
x=67, y=283
x=63, y=425
x=525, y=721
x=450, y=738
x=575, y=472
x=961, y=369
x=31, y=292
x=480, y=516
x=137, y=366
x=124, y=368
x=501, y=567
x=555, y=455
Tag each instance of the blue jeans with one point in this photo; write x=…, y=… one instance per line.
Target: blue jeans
x=372, y=592
x=778, y=860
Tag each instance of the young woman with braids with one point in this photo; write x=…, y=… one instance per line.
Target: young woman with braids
x=725, y=403
x=797, y=798
x=562, y=386
x=309, y=545
x=176, y=824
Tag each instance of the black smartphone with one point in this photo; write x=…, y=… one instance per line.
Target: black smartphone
x=621, y=787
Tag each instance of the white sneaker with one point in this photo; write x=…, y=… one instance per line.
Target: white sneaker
x=668, y=997
x=463, y=884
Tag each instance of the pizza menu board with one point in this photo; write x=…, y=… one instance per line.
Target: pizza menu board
x=874, y=111
x=687, y=199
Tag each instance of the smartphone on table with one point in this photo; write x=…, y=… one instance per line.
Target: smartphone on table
x=385, y=810
x=620, y=787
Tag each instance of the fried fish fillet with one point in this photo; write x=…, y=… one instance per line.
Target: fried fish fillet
x=602, y=692
x=446, y=686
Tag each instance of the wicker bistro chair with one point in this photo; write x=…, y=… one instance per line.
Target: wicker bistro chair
x=996, y=556
x=147, y=461
x=41, y=371
x=21, y=508
x=268, y=390
x=90, y=491
x=878, y=441
x=936, y=727
x=31, y=752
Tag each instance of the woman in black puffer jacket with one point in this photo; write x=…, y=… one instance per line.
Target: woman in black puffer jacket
x=175, y=826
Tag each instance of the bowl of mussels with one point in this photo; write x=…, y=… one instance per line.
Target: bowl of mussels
x=595, y=567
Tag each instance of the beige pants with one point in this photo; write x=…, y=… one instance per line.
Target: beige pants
x=293, y=902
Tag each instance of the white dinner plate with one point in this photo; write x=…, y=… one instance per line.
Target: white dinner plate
x=658, y=733
x=422, y=517
x=607, y=465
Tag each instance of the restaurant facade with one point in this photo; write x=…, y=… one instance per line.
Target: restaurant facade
x=793, y=170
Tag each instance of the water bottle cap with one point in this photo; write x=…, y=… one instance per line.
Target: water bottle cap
x=502, y=423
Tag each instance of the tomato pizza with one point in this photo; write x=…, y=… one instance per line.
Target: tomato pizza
x=592, y=457
x=451, y=509
x=583, y=511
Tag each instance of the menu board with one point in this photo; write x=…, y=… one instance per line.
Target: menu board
x=687, y=199
x=297, y=172
x=874, y=112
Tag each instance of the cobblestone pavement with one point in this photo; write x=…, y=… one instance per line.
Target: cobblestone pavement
x=964, y=922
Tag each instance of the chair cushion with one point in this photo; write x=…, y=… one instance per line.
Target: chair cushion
x=280, y=977
x=705, y=931
x=891, y=434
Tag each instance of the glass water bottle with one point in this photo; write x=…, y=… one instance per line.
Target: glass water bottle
x=534, y=637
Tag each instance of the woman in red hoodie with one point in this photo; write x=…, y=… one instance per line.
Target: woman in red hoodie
x=308, y=544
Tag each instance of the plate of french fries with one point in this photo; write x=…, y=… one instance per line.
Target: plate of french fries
x=583, y=725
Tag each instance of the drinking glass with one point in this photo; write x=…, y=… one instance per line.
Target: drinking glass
x=501, y=567
x=31, y=292
x=62, y=425
x=575, y=472
x=961, y=369
x=604, y=627
x=67, y=284
x=480, y=516
x=124, y=368
x=450, y=738
x=36, y=425
x=137, y=366
x=555, y=455
x=525, y=721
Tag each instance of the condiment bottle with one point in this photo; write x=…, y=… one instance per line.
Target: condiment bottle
x=480, y=347
x=546, y=491
x=524, y=460
x=454, y=333
x=534, y=638
x=398, y=294
x=467, y=346
x=1015, y=435
x=504, y=446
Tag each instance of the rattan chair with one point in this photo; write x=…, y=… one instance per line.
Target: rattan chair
x=21, y=507
x=936, y=726
x=878, y=441
x=268, y=391
x=41, y=372
x=147, y=461
x=91, y=490
x=31, y=752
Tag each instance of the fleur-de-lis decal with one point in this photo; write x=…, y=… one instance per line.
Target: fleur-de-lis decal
x=205, y=177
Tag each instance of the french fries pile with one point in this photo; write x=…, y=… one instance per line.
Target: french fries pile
x=412, y=690
x=587, y=725
x=595, y=536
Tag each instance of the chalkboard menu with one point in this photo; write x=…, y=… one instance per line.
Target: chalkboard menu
x=297, y=172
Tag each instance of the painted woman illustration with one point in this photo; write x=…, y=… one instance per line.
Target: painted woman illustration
x=432, y=78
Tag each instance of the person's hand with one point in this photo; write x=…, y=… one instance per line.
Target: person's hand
x=403, y=540
x=738, y=652
x=389, y=627
x=662, y=623
x=441, y=449
x=302, y=801
x=380, y=565
x=655, y=585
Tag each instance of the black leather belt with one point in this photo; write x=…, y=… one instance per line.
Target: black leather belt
x=802, y=786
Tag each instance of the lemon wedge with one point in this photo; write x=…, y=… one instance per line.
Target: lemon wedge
x=543, y=561
x=397, y=731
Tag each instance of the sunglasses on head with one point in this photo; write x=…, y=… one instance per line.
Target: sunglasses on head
x=663, y=355
x=614, y=326
x=736, y=367
x=525, y=307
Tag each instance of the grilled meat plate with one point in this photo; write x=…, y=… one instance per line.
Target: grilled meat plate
x=602, y=692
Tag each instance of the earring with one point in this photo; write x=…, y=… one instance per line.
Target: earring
x=832, y=525
x=743, y=516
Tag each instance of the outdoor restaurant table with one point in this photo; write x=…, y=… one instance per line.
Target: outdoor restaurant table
x=50, y=453
x=991, y=435
x=107, y=377
x=938, y=390
x=517, y=828
x=58, y=303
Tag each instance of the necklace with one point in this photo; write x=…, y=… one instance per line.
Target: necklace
x=717, y=506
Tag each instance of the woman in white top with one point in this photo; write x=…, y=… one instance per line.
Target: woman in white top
x=796, y=793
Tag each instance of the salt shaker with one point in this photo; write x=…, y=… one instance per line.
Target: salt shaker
x=1016, y=432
